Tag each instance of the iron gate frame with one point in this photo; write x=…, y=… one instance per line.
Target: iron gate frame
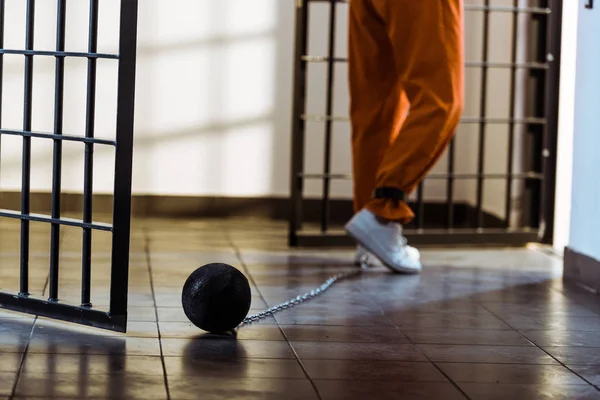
x=116, y=318
x=544, y=178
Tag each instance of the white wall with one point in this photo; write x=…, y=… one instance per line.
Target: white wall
x=564, y=172
x=585, y=199
x=214, y=93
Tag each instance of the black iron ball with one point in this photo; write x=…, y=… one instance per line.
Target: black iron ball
x=216, y=297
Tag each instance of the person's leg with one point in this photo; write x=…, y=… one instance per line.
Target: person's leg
x=378, y=106
x=426, y=38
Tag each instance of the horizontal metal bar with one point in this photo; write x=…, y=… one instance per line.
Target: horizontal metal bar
x=476, y=7
x=509, y=9
x=524, y=175
x=62, y=221
x=64, y=312
x=451, y=237
x=507, y=65
x=68, y=138
x=468, y=64
x=59, y=53
x=464, y=120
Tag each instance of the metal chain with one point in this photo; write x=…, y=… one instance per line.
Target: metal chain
x=306, y=296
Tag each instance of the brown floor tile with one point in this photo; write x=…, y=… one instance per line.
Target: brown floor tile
x=10, y=362
x=554, y=309
x=7, y=381
x=590, y=373
x=423, y=321
x=576, y=355
x=486, y=391
x=361, y=390
x=210, y=346
x=83, y=386
x=486, y=354
x=141, y=314
x=467, y=336
x=256, y=331
x=563, y=338
x=352, y=334
x=76, y=343
x=233, y=368
x=554, y=323
x=92, y=364
x=357, y=351
x=373, y=370
x=244, y=389
x=510, y=373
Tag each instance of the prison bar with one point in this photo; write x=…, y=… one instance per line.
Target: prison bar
x=57, y=157
x=26, y=161
x=2, y=18
x=62, y=221
x=433, y=237
x=522, y=175
x=88, y=177
x=467, y=7
x=123, y=160
x=511, y=125
x=64, y=138
x=468, y=64
x=298, y=124
x=553, y=29
x=464, y=120
x=482, y=115
x=31, y=52
x=450, y=183
x=328, y=124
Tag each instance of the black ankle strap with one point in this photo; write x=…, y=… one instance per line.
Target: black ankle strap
x=391, y=193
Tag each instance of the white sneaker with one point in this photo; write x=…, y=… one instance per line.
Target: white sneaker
x=364, y=258
x=385, y=241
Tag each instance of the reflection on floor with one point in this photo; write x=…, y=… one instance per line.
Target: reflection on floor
x=477, y=324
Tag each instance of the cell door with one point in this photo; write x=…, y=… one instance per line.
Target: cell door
x=48, y=303
x=494, y=184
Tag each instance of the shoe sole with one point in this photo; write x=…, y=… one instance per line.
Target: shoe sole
x=355, y=236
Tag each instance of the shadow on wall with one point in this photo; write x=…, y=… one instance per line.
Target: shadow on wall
x=213, y=102
x=213, y=99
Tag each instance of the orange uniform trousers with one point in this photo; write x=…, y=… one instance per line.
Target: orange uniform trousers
x=406, y=63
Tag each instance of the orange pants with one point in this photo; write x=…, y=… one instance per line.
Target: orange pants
x=406, y=61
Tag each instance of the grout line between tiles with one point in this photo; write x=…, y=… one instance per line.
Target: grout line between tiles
x=543, y=350
x=26, y=349
x=162, y=357
x=245, y=267
x=455, y=384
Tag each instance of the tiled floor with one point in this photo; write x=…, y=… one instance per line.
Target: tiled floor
x=477, y=324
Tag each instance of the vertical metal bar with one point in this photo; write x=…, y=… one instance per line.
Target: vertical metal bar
x=2, y=18
x=88, y=178
x=26, y=162
x=123, y=162
x=298, y=124
x=482, y=114
x=328, y=122
x=550, y=141
x=511, y=126
x=59, y=85
x=420, y=206
x=450, y=184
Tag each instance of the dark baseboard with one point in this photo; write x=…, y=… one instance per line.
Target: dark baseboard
x=582, y=270
x=273, y=208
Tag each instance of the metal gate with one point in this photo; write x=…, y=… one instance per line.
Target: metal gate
x=22, y=301
x=535, y=114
